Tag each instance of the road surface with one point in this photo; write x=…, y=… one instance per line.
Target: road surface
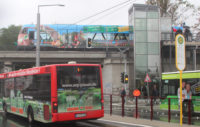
x=16, y=121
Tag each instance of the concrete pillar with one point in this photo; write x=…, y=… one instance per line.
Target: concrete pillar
x=112, y=69
x=107, y=76
x=195, y=59
x=7, y=66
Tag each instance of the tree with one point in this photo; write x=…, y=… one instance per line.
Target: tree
x=173, y=8
x=197, y=24
x=163, y=4
x=8, y=37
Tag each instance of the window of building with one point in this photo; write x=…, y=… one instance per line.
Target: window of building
x=140, y=24
x=141, y=48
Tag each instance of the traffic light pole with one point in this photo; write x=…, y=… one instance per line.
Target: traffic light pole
x=125, y=73
x=122, y=53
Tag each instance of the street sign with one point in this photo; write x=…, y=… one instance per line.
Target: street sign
x=123, y=29
x=180, y=52
x=111, y=28
x=136, y=93
x=180, y=65
x=147, y=78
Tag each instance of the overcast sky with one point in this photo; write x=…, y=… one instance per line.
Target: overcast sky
x=19, y=12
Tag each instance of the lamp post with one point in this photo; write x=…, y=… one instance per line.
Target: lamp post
x=38, y=32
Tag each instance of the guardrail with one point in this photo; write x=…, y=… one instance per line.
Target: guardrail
x=153, y=108
x=167, y=36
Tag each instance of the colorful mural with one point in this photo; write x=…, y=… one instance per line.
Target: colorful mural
x=75, y=36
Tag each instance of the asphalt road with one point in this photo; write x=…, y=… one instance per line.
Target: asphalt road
x=16, y=121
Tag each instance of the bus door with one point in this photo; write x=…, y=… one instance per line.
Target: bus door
x=19, y=86
x=9, y=95
x=1, y=94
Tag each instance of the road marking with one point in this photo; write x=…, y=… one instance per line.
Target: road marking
x=87, y=124
x=125, y=123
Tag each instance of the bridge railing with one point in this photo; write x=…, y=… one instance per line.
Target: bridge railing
x=153, y=108
x=169, y=36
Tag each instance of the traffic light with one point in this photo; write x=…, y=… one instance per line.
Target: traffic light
x=126, y=78
x=89, y=42
x=122, y=77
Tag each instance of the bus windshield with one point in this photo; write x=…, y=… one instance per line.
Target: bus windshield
x=78, y=88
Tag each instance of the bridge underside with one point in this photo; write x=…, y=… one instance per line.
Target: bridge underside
x=112, y=63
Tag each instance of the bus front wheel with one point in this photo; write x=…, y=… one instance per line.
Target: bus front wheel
x=30, y=115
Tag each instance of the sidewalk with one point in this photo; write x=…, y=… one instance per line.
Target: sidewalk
x=153, y=123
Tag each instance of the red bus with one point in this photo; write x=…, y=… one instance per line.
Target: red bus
x=53, y=93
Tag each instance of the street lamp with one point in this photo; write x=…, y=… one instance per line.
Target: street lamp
x=38, y=33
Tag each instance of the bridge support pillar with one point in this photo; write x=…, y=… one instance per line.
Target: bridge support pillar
x=112, y=69
x=7, y=66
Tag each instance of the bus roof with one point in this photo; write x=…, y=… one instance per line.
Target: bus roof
x=37, y=70
x=69, y=28
x=186, y=75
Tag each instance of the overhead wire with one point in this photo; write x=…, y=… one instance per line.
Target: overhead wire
x=89, y=17
x=115, y=10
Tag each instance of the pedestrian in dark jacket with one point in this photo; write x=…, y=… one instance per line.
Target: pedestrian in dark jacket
x=155, y=92
x=144, y=91
x=123, y=92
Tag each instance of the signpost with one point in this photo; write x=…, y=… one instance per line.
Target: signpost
x=180, y=64
x=147, y=80
x=136, y=93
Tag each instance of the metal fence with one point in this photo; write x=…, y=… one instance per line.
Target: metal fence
x=168, y=36
x=153, y=108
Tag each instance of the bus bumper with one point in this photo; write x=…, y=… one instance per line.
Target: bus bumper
x=70, y=116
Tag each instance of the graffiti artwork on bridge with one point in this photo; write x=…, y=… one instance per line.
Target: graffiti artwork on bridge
x=75, y=36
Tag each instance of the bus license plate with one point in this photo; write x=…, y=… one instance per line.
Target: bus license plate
x=80, y=115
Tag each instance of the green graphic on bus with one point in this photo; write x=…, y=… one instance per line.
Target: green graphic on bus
x=78, y=89
x=75, y=100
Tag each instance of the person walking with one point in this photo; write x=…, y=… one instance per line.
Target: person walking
x=144, y=91
x=187, y=103
x=188, y=92
x=123, y=94
x=155, y=93
x=183, y=91
x=186, y=33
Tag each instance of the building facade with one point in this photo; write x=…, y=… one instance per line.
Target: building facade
x=145, y=20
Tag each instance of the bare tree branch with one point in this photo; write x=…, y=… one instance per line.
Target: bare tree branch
x=173, y=8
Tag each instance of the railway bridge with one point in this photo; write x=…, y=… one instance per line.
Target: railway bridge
x=112, y=62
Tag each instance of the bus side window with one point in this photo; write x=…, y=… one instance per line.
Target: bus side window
x=9, y=87
x=1, y=86
x=44, y=86
x=29, y=87
x=31, y=35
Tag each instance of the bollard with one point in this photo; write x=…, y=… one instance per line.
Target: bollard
x=169, y=110
x=189, y=111
x=151, y=108
x=122, y=106
x=111, y=104
x=136, y=107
